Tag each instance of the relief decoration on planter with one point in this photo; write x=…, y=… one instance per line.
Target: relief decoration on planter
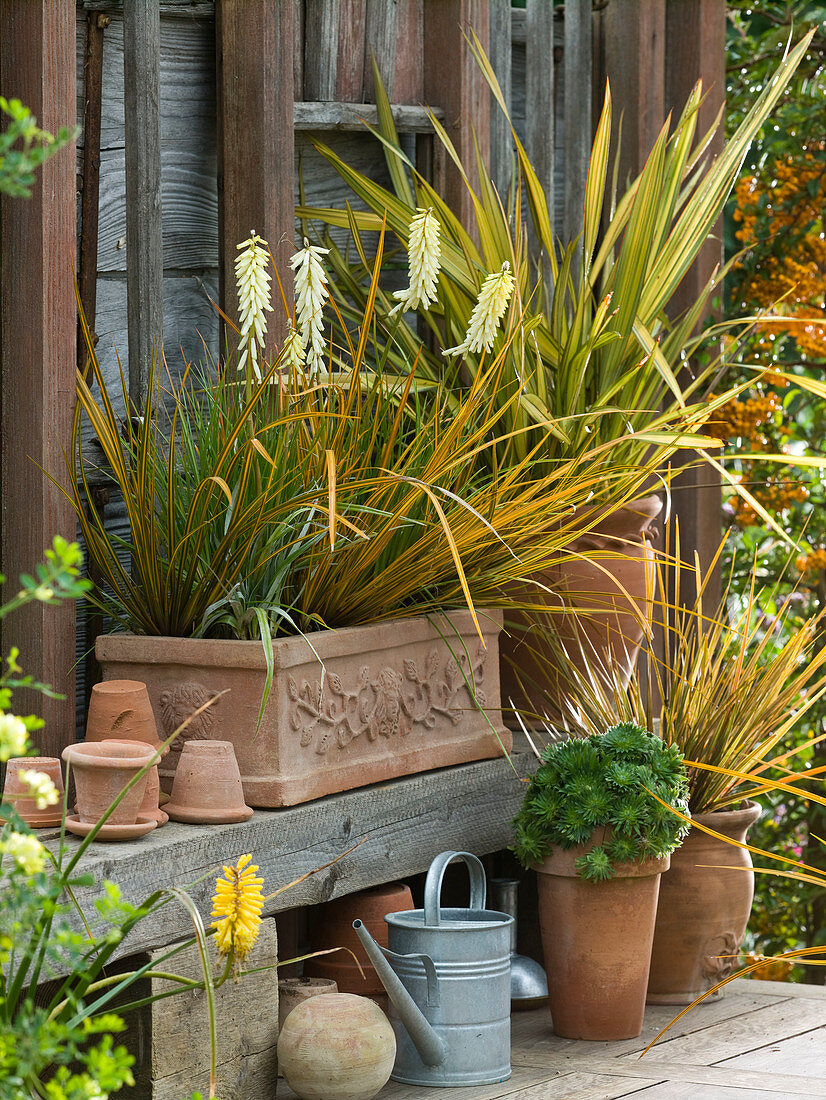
x=720, y=957
x=178, y=704
x=385, y=702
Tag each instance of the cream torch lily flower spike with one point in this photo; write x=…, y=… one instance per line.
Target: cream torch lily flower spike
x=423, y=261
x=293, y=352
x=487, y=313
x=253, y=281
x=310, y=292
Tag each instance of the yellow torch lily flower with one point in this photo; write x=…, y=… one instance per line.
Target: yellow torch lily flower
x=236, y=909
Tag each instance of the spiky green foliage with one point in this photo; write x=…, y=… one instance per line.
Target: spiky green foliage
x=607, y=789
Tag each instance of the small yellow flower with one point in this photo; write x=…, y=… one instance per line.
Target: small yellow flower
x=14, y=737
x=487, y=313
x=26, y=849
x=236, y=909
x=40, y=787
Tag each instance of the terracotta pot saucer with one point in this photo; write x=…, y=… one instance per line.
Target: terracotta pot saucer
x=207, y=815
x=107, y=832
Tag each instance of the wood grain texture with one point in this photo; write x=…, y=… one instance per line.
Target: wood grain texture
x=380, y=30
x=452, y=81
x=501, y=58
x=254, y=46
x=539, y=93
x=144, y=234
x=351, y=51
x=409, y=83
x=321, y=48
x=695, y=50
x=38, y=348
x=403, y=823
x=169, y=1064
x=577, y=78
x=353, y=116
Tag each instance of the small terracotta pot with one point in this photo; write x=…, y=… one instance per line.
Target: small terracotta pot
x=606, y=600
x=332, y=926
x=149, y=807
x=704, y=909
x=121, y=710
x=207, y=787
x=101, y=772
x=16, y=792
x=596, y=938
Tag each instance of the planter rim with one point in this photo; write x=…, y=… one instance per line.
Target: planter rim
x=94, y=754
x=724, y=819
x=561, y=862
x=297, y=649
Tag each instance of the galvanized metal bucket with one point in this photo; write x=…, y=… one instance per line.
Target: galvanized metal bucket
x=455, y=966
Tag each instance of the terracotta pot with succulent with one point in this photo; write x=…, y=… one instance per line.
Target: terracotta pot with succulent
x=733, y=683
x=597, y=826
x=327, y=542
x=597, y=358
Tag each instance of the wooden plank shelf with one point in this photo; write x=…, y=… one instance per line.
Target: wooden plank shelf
x=331, y=115
x=399, y=827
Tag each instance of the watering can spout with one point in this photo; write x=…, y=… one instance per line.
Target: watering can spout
x=432, y=1049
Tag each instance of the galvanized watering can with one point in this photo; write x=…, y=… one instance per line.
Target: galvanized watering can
x=448, y=980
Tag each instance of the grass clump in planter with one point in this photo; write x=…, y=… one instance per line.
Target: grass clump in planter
x=610, y=791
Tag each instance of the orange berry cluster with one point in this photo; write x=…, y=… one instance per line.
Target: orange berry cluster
x=743, y=418
x=774, y=495
x=813, y=562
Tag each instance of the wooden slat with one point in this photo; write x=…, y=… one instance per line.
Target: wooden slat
x=577, y=80
x=633, y=47
x=321, y=48
x=352, y=116
x=454, y=83
x=144, y=226
x=501, y=51
x=695, y=49
x=404, y=824
x=351, y=48
x=408, y=86
x=540, y=110
x=298, y=48
x=38, y=350
x=254, y=43
x=381, y=22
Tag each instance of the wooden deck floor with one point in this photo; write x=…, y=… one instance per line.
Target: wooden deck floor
x=762, y=1040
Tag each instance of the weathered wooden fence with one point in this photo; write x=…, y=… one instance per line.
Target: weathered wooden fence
x=197, y=117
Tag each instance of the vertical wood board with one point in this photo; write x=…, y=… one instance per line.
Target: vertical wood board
x=577, y=77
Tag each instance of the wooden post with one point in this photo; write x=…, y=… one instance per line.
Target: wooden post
x=633, y=55
x=696, y=49
x=452, y=81
x=540, y=110
x=256, y=190
x=38, y=351
x=576, y=61
x=501, y=54
x=144, y=229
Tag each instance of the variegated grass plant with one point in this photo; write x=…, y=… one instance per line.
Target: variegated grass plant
x=286, y=499
x=726, y=685
x=596, y=358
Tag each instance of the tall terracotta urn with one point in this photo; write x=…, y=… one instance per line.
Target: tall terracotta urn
x=605, y=598
x=596, y=938
x=704, y=909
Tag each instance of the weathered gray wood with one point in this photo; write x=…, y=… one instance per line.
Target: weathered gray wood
x=408, y=86
x=298, y=49
x=501, y=55
x=403, y=823
x=539, y=94
x=144, y=227
x=38, y=344
x=577, y=79
x=799, y=1055
x=187, y=9
x=321, y=48
x=351, y=50
x=352, y=116
x=169, y=1064
x=380, y=30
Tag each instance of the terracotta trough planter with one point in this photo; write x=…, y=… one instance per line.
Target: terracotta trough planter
x=393, y=700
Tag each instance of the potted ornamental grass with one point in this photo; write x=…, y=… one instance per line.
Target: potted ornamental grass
x=601, y=353
x=598, y=826
x=324, y=540
x=733, y=681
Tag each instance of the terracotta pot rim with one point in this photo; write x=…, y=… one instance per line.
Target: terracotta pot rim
x=104, y=687
x=721, y=819
x=561, y=863
x=91, y=754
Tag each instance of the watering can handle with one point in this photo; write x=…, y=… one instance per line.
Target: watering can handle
x=429, y=971
x=433, y=884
